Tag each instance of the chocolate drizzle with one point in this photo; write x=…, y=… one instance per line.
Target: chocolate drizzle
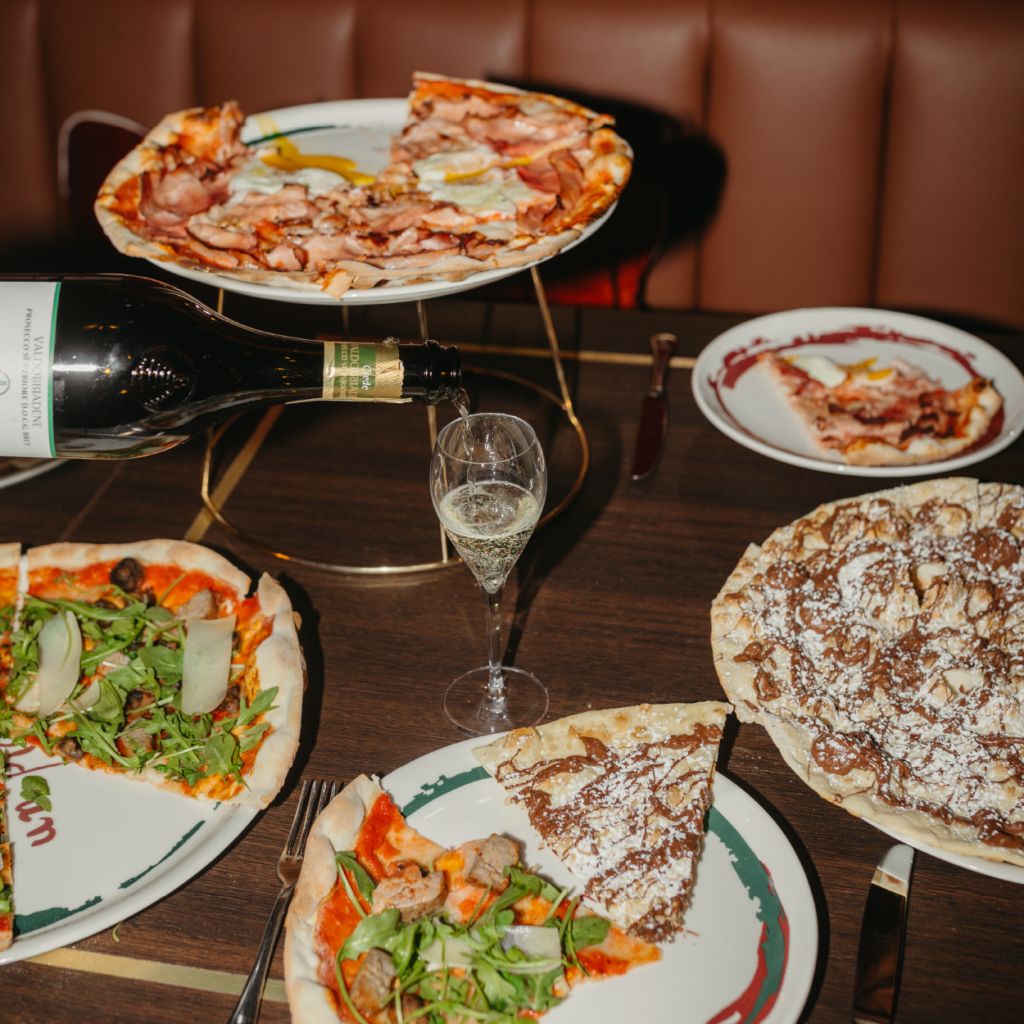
x=895, y=636
x=633, y=830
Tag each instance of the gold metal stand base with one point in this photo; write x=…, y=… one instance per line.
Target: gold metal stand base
x=214, y=501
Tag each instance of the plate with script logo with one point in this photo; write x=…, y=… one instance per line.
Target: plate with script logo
x=69, y=884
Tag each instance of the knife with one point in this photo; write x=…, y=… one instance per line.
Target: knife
x=650, y=435
x=880, y=953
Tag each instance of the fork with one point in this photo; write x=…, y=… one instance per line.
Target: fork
x=312, y=800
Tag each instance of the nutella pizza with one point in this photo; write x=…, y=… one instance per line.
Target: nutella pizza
x=880, y=641
x=482, y=177
x=620, y=797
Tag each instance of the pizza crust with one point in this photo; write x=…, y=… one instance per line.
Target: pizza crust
x=334, y=830
x=963, y=504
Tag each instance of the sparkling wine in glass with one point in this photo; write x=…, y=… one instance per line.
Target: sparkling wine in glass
x=488, y=481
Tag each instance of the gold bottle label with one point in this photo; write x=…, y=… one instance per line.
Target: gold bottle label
x=354, y=372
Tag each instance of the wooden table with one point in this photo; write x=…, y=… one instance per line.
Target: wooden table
x=609, y=606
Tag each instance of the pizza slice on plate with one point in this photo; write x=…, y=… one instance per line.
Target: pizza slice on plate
x=149, y=660
x=482, y=176
x=386, y=925
x=877, y=416
x=620, y=796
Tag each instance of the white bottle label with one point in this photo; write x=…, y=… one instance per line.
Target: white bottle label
x=28, y=320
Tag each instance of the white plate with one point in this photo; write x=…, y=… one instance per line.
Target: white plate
x=751, y=939
x=360, y=130
x=735, y=392
x=18, y=476
x=109, y=848
x=995, y=869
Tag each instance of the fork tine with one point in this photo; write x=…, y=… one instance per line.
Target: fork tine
x=299, y=811
x=320, y=803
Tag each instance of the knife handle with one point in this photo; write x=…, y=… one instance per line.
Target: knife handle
x=663, y=345
x=878, y=956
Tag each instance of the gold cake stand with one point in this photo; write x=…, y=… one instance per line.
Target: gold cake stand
x=214, y=499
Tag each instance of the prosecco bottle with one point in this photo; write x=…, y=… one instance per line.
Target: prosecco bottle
x=114, y=367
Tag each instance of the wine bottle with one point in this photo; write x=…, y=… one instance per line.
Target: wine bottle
x=114, y=367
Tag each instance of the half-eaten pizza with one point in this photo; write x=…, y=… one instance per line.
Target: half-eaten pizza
x=883, y=415
x=149, y=661
x=880, y=642
x=482, y=177
x=387, y=926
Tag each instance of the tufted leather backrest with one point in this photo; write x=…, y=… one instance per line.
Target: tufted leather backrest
x=875, y=148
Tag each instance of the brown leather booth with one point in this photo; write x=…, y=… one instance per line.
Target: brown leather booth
x=874, y=148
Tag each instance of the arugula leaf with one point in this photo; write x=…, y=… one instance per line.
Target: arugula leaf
x=109, y=707
x=36, y=789
x=159, y=614
x=364, y=883
x=372, y=931
x=259, y=706
x=165, y=663
x=219, y=752
x=252, y=736
x=498, y=990
x=589, y=931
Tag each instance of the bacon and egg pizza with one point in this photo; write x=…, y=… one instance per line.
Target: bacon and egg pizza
x=481, y=177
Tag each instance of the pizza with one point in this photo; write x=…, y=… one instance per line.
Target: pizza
x=883, y=415
x=6, y=879
x=880, y=642
x=482, y=176
x=386, y=925
x=620, y=797
x=149, y=660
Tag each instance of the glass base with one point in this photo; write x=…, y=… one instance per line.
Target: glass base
x=468, y=707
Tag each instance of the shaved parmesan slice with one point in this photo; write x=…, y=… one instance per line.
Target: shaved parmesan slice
x=207, y=664
x=533, y=941
x=60, y=658
x=87, y=697
x=821, y=369
x=451, y=953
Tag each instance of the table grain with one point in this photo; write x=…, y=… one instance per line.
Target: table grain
x=609, y=606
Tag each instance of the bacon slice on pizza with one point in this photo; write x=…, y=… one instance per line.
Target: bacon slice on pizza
x=878, y=416
x=386, y=925
x=149, y=660
x=482, y=176
x=620, y=796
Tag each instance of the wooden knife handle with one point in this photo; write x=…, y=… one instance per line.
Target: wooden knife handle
x=663, y=345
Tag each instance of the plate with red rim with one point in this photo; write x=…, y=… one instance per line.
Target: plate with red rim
x=750, y=943
x=358, y=130
x=734, y=390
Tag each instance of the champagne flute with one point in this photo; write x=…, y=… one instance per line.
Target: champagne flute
x=488, y=481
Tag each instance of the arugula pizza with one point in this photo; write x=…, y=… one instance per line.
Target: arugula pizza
x=388, y=927
x=149, y=660
x=482, y=177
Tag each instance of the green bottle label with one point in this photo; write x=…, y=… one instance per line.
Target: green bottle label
x=355, y=372
x=28, y=321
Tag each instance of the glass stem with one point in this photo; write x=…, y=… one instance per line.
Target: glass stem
x=496, y=680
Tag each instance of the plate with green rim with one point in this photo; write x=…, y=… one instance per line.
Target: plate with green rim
x=748, y=951
x=70, y=880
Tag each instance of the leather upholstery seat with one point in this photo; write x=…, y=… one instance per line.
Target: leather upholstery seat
x=874, y=147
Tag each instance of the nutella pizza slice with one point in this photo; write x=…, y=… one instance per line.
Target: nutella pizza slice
x=620, y=796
